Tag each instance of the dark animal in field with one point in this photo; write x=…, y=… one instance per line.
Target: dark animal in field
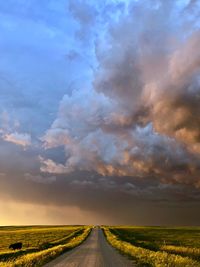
x=17, y=245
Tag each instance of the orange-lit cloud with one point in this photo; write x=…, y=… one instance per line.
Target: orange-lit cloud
x=121, y=143
x=140, y=117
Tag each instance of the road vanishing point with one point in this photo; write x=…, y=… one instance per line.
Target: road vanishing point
x=95, y=251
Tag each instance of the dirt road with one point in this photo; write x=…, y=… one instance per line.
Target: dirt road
x=94, y=252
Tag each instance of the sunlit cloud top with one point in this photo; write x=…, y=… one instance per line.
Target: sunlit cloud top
x=100, y=98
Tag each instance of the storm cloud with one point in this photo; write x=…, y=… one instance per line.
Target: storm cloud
x=139, y=116
x=100, y=111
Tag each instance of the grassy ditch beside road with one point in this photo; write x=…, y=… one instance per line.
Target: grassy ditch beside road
x=153, y=257
x=46, y=251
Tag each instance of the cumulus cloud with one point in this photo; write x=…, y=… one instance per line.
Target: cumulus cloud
x=176, y=105
x=21, y=139
x=124, y=145
x=139, y=117
x=48, y=165
x=9, y=130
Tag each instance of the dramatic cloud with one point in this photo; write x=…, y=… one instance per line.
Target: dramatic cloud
x=99, y=111
x=139, y=116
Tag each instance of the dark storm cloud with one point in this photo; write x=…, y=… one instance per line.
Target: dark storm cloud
x=117, y=201
x=125, y=143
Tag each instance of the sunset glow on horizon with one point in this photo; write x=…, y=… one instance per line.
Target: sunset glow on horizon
x=99, y=112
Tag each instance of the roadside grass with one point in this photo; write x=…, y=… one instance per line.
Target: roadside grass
x=184, y=241
x=47, y=252
x=156, y=237
x=11, y=255
x=183, y=251
x=32, y=236
x=147, y=257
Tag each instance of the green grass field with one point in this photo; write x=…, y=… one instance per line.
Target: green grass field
x=158, y=236
x=158, y=246
x=32, y=237
x=149, y=246
x=40, y=243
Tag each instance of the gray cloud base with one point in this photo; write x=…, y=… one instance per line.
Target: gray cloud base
x=125, y=143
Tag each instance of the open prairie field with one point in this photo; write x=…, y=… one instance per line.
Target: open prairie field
x=37, y=241
x=156, y=237
x=32, y=237
x=158, y=246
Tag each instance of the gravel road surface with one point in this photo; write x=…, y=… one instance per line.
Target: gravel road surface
x=94, y=252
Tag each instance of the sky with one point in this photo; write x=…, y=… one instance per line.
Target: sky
x=99, y=112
